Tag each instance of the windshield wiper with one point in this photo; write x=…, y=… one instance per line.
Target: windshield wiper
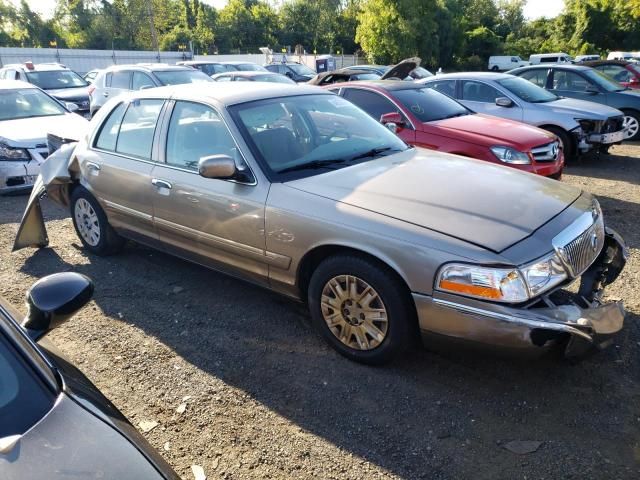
x=371, y=153
x=313, y=165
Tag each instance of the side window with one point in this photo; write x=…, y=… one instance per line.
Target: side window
x=514, y=60
x=241, y=79
x=372, y=103
x=538, y=76
x=272, y=68
x=479, y=92
x=224, y=78
x=120, y=80
x=107, y=79
x=108, y=135
x=617, y=72
x=138, y=126
x=549, y=60
x=448, y=87
x=196, y=131
x=570, y=81
x=141, y=80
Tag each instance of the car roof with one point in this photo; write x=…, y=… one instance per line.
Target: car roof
x=198, y=62
x=151, y=67
x=239, y=62
x=231, y=93
x=554, y=65
x=607, y=62
x=38, y=67
x=471, y=75
x=248, y=73
x=15, y=84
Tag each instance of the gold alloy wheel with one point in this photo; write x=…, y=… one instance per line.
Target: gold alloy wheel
x=354, y=312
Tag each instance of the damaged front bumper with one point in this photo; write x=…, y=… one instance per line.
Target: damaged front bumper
x=576, y=322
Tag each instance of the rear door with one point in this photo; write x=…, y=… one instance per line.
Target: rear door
x=212, y=221
x=117, y=167
x=481, y=97
x=116, y=83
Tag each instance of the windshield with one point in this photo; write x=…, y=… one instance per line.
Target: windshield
x=313, y=133
x=212, y=68
x=248, y=67
x=429, y=105
x=178, y=77
x=27, y=103
x=527, y=91
x=55, y=79
x=418, y=73
x=603, y=81
x=301, y=69
x=274, y=78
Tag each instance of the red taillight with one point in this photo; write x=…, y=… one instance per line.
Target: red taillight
x=91, y=89
x=634, y=81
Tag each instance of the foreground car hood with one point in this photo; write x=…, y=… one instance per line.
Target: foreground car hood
x=583, y=108
x=487, y=205
x=29, y=132
x=488, y=130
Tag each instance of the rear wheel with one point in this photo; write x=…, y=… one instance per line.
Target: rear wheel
x=494, y=68
x=360, y=308
x=631, y=124
x=91, y=224
x=566, y=142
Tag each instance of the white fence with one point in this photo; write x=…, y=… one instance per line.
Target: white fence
x=84, y=60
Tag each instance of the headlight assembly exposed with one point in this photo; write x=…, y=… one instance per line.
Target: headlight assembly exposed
x=544, y=274
x=587, y=126
x=13, y=154
x=510, y=155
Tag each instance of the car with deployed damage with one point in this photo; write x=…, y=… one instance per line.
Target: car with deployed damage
x=585, y=83
x=27, y=116
x=424, y=117
x=580, y=125
x=54, y=423
x=298, y=190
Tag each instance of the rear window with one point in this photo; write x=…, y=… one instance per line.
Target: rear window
x=429, y=105
x=56, y=79
x=179, y=77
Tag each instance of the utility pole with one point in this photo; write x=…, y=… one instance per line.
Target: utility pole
x=154, y=34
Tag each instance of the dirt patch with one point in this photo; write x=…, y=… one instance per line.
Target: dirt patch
x=239, y=384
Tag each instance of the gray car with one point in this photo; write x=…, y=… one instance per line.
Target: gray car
x=586, y=83
x=298, y=190
x=579, y=124
x=119, y=79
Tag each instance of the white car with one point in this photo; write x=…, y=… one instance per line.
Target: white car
x=559, y=57
x=27, y=115
x=506, y=62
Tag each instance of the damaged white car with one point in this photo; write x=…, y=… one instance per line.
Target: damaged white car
x=27, y=115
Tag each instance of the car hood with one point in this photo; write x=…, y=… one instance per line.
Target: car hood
x=487, y=205
x=490, y=131
x=68, y=94
x=585, y=110
x=29, y=132
x=402, y=69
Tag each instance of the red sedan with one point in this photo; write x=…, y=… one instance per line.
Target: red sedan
x=427, y=118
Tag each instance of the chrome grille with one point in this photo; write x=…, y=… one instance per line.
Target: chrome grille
x=578, y=254
x=546, y=153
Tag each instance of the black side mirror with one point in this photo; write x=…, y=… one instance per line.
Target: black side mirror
x=53, y=300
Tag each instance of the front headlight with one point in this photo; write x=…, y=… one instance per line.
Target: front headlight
x=544, y=274
x=510, y=155
x=13, y=154
x=586, y=125
x=495, y=284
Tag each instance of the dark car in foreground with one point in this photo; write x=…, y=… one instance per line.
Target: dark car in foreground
x=586, y=83
x=296, y=189
x=54, y=423
x=424, y=117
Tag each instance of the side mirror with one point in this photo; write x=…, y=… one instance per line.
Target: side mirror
x=504, y=102
x=217, y=166
x=72, y=107
x=393, y=121
x=289, y=74
x=53, y=300
x=147, y=87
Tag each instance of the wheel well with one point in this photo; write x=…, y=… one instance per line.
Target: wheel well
x=556, y=127
x=630, y=110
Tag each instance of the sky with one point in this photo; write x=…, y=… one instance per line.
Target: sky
x=533, y=9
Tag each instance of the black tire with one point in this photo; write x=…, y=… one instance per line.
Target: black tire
x=494, y=68
x=568, y=144
x=108, y=241
x=635, y=116
x=395, y=298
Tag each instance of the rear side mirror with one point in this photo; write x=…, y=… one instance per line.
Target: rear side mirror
x=217, y=166
x=504, y=102
x=393, y=121
x=54, y=299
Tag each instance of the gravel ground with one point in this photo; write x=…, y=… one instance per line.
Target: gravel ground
x=240, y=385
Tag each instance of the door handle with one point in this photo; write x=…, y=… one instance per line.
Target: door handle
x=156, y=182
x=93, y=166
x=106, y=94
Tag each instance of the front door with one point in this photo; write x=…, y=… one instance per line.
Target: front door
x=117, y=167
x=216, y=222
x=481, y=98
x=565, y=83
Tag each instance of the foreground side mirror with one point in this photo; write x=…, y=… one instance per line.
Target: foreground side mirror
x=72, y=107
x=53, y=300
x=504, y=102
x=393, y=121
x=217, y=166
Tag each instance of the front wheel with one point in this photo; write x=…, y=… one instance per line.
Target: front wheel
x=91, y=224
x=631, y=123
x=360, y=308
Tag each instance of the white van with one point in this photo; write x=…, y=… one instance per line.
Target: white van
x=587, y=58
x=506, y=62
x=559, y=57
x=620, y=56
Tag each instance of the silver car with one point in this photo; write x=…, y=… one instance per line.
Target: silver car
x=580, y=125
x=298, y=190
